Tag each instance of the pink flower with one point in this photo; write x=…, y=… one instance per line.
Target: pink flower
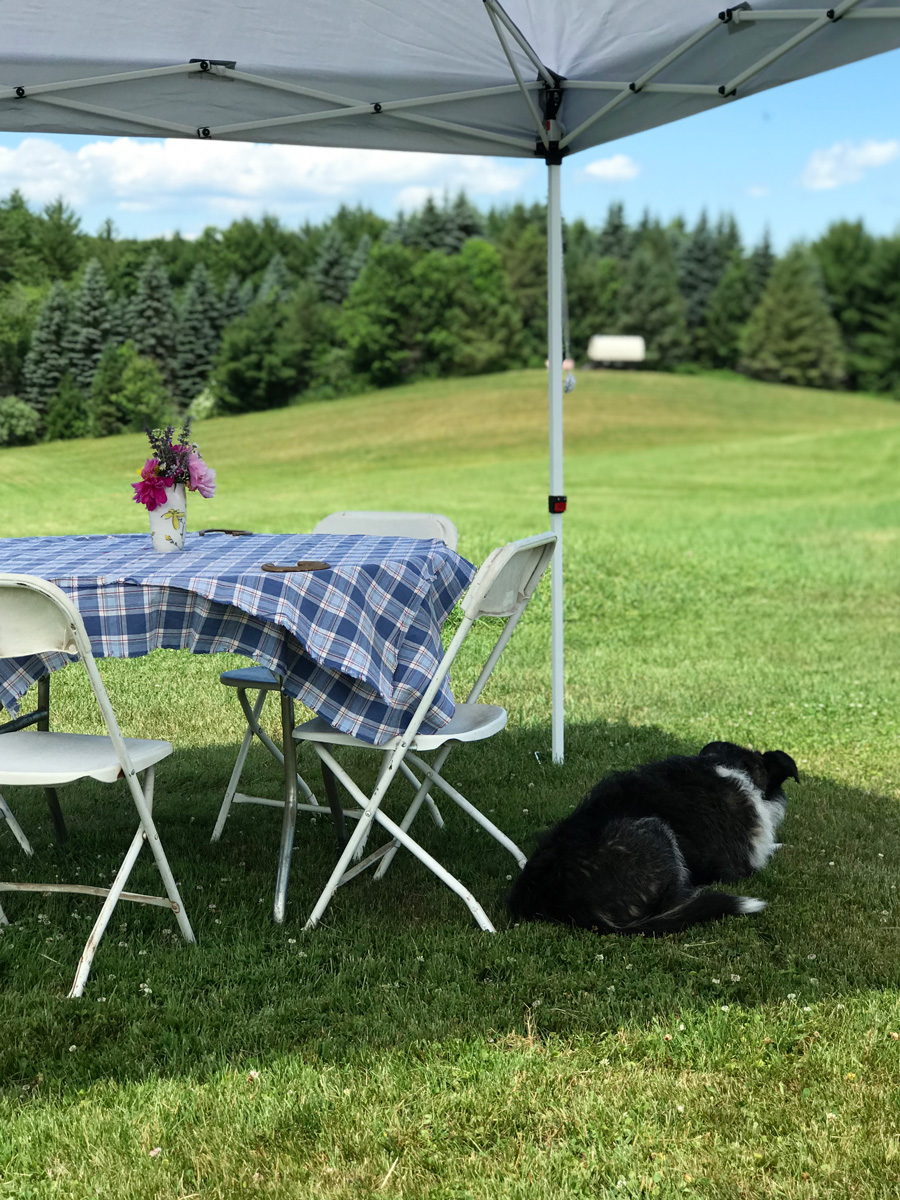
x=151, y=490
x=202, y=478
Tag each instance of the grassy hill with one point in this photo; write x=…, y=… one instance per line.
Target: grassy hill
x=731, y=571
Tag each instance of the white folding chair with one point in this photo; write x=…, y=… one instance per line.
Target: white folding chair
x=264, y=682
x=502, y=588
x=37, y=618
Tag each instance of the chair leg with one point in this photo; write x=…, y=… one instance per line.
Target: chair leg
x=146, y=831
x=238, y=769
x=467, y=806
x=372, y=813
x=410, y=816
x=143, y=799
x=334, y=803
x=16, y=828
x=272, y=748
x=59, y=824
x=289, y=818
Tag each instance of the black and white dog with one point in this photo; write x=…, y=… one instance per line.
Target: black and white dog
x=635, y=854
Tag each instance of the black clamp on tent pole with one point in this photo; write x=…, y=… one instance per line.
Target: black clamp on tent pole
x=557, y=504
x=551, y=101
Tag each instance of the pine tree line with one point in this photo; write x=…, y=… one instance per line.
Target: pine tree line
x=102, y=334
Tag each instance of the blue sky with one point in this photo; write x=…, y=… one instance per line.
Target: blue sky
x=791, y=160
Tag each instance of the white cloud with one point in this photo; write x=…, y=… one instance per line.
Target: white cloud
x=846, y=162
x=613, y=170
x=758, y=190
x=141, y=175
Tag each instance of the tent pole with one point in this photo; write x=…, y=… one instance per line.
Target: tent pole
x=557, y=499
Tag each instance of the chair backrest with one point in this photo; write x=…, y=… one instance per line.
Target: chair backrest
x=504, y=584
x=37, y=617
x=431, y=526
x=508, y=576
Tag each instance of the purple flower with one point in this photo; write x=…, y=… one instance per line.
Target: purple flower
x=202, y=478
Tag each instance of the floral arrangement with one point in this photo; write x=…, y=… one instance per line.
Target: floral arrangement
x=172, y=462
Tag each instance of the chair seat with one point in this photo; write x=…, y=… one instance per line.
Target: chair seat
x=40, y=759
x=251, y=677
x=469, y=723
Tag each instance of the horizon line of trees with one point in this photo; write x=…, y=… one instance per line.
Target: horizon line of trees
x=101, y=334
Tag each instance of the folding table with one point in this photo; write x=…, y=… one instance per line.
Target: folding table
x=357, y=642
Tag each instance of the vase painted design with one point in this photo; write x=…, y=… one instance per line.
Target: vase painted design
x=169, y=520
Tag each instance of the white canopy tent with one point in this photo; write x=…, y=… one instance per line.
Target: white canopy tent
x=525, y=78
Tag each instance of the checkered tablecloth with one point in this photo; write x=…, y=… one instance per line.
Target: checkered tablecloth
x=357, y=643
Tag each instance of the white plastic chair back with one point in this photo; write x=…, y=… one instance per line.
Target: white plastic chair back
x=37, y=617
x=429, y=526
x=508, y=576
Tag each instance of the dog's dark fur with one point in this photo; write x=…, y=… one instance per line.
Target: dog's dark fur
x=635, y=854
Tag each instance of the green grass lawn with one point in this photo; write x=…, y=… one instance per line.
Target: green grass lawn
x=732, y=571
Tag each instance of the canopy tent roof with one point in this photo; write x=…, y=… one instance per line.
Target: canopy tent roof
x=400, y=74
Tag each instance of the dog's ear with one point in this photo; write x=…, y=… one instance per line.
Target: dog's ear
x=780, y=766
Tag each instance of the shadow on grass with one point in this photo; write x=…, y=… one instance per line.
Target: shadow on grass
x=398, y=963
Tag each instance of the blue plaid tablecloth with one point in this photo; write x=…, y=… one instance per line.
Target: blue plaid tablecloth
x=357, y=643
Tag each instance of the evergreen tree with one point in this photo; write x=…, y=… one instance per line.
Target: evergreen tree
x=67, y=412
x=253, y=370
x=592, y=286
x=90, y=327
x=878, y=356
x=19, y=309
x=60, y=241
x=276, y=282
x=104, y=415
x=359, y=258
x=379, y=320
x=231, y=302
x=727, y=313
x=467, y=323
x=152, y=319
x=128, y=393
x=20, y=251
x=846, y=255
x=331, y=271
x=701, y=267
x=759, y=266
x=197, y=334
x=615, y=239
x=791, y=336
x=525, y=261
x=48, y=358
x=651, y=304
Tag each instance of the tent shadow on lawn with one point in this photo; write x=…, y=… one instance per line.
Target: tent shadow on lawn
x=398, y=962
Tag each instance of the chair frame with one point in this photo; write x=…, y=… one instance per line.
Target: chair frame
x=480, y=600
x=363, y=522
x=70, y=637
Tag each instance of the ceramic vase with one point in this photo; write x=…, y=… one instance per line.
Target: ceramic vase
x=168, y=521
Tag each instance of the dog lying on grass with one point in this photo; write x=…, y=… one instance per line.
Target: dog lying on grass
x=635, y=855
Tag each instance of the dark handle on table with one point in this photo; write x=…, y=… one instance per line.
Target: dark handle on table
x=303, y=564
x=233, y=532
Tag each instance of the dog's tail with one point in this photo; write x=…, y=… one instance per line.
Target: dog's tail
x=696, y=908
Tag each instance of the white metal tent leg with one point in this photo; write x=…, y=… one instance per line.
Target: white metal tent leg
x=555, y=360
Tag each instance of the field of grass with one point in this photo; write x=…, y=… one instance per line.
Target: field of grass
x=732, y=571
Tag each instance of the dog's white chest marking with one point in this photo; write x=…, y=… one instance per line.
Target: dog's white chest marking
x=768, y=814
